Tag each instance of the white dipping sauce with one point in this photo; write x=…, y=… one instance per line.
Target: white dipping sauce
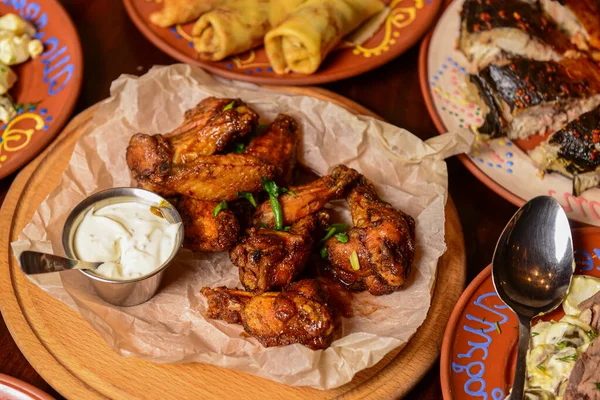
x=130, y=239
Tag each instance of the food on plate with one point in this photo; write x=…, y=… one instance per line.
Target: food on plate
x=271, y=259
x=574, y=151
x=303, y=39
x=280, y=9
x=493, y=30
x=526, y=97
x=132, y=239
x=17, y=45
x=205, y=231
x=559, y=352
x=298, y=314
x=579, y=19
x=306, y=199
x=377, y=253
x=181, y=11
x=232, y=28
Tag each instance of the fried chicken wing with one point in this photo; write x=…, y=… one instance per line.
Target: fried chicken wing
x=307, y=199
x=207, y=178
x=383, y=239
x=209, y=127
x=299, y=314
x=270, y=259
x=204, y=231
x=277, y=145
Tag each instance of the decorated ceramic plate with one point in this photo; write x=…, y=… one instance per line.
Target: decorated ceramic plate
x=12, y=388
x=406, y=22
x=47, y=87
x=501, y=164
x=480, y=343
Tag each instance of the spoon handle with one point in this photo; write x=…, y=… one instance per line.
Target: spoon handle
x=520, y=371
x=33, y=262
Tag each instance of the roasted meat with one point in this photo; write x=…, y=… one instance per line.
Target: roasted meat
x=299, y=314
x=277, y=145
x=209, y=127
x=307, y=199
x=580, y=19
x=270, y=259
x=526, y=97
x=380, y=248
x=493, y=30
x=209, y=178
x=203, y=230
x=574, y=151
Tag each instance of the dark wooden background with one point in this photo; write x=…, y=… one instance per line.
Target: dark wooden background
x=112, y=46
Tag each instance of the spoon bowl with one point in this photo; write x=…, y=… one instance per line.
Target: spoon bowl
x=532, y=268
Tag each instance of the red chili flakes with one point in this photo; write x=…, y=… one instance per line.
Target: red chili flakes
x=484, y=16
x=519, y=104
x=476, y=27
x=594, y=154
x=517, y=15
x=596, y=136
x=519, y=92
x=502, y=14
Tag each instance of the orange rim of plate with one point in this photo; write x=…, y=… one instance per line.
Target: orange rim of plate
x=411, y=37
x=437, y=121
x=24, y=388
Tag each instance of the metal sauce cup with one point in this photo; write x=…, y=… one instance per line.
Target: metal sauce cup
x=131, y=292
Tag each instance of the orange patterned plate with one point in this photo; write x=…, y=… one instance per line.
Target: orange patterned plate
x=480, y=342
x=406, y=23
x=49, y=85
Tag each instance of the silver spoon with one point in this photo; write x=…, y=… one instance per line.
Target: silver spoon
x=33, y=262
x=532, y=269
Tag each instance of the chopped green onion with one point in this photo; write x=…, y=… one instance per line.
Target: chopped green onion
x=263, y=225
x=572, y=357
x=323, y=252
x=239, y=148
x=332, y=230
x=597, y=384
x=592, y=334
x=274, y=192
x=229, y=106
x=220, y=207
x=561, y=345
x=498, y=328
x=534, y=334
x=288, y=191
x=342, y=237
x=541, y=368
x=354, y=261
x=248, y=196
x=287, y=228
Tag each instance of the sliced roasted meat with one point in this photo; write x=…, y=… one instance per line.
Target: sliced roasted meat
x=526, y=97
x=493, y=30
x=270, y=259
x=574, y=151
x=299, y=314
x=379, y=249
x=307, y=199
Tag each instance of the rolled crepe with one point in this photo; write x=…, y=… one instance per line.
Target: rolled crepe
x=233, y=28
x=280, y=9
x=305, y=37
x=182, y=11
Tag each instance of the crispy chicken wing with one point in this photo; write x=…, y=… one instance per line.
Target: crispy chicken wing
x=208, y=178
x=270, y=259
x=277, y=145
x=204, y=231
x=299, y=314
x=309, y=198
x=383, y=239
x=209, y=127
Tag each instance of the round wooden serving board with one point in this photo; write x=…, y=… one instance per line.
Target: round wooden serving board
x=73, y=358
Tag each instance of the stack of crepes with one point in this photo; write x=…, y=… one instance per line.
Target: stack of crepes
x=297, y=34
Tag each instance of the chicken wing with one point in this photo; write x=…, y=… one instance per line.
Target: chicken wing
x=277, y=145
x=299, y=314
x=383, y=240
x=307, y=199
x=209, y=127
x=207, y=178
x=203, y=230
x=270, y=259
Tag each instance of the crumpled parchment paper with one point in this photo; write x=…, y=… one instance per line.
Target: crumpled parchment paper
x=171, y=328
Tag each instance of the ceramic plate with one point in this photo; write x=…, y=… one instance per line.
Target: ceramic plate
x=49, y=84
x=406, y=23
x=14, y=389
x=478, y=357
x=501, y=164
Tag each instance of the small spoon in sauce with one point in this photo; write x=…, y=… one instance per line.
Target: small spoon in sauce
x=33, y=262
x=532, y=269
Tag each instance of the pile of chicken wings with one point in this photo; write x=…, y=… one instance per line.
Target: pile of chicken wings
x=218, y=166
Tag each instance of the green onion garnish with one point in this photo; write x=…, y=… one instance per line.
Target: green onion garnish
x=354, y=261
x=220, y=207
x=248, y=196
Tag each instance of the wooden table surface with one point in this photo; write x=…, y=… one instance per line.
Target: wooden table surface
x=112, y=46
